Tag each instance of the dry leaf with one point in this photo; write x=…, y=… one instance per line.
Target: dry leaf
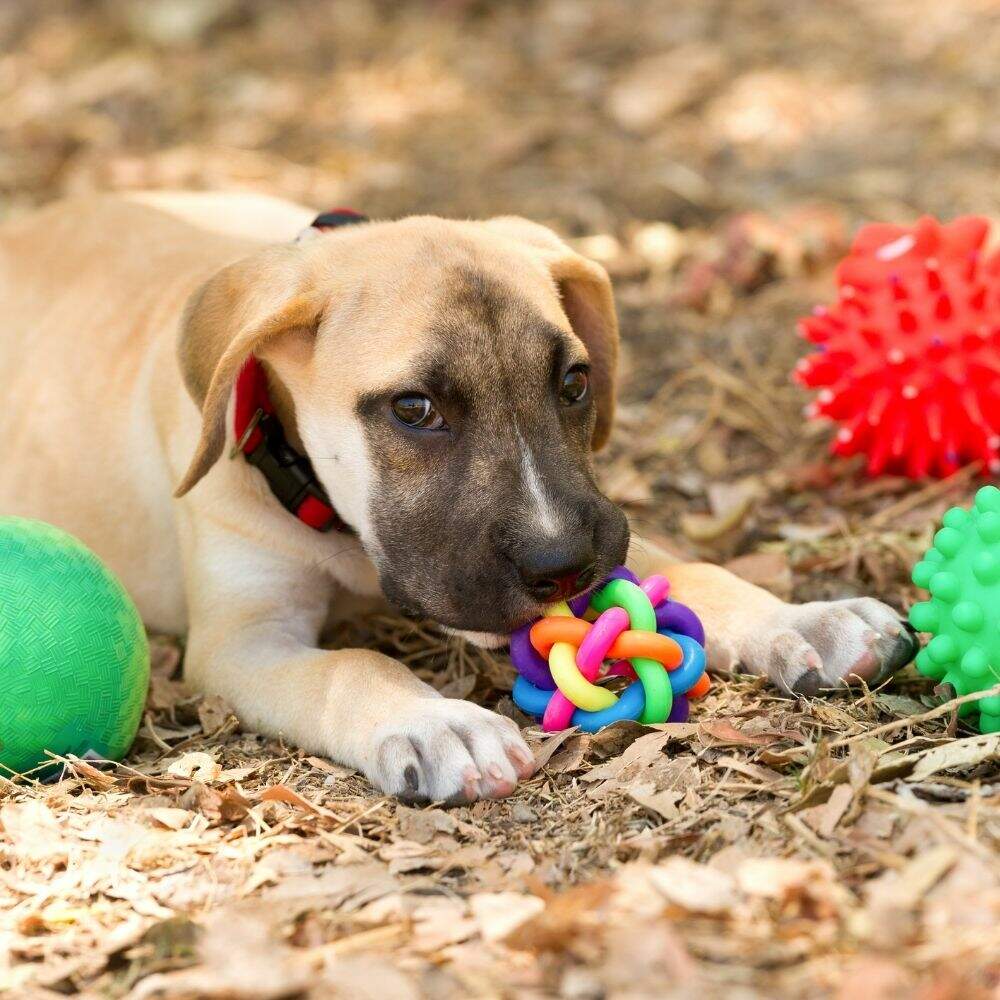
x=905, y=888
x=832, y=813
x=900, y=705
x=240, y=956
x=957, y=754
x=282, y=793
x=172, y=819
x=214, y=712
x=708, y=528
x=226, y=805
x=876, y=978
x=693, y=887
x=31, y=828
x=725, y=497
x=570, y=755
x=635, y=758
x=566, y=917
x=92, y=776
x=787, y=879
x=197, y=765
x=422, y=825
x=549, y=746
x=328, y=767
x=624, y=484
x=664, y=804
x=721, y=732
x=499, y=914
x=439, y=922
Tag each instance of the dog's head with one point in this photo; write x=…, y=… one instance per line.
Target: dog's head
x=449, y=381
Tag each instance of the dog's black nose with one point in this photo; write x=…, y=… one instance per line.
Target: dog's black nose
x=557, y=570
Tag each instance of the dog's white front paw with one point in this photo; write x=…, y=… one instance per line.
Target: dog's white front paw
x=805, y=647
x=440, y=749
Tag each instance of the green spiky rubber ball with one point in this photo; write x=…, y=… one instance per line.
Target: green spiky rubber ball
x=74, y=659
x=962, y=572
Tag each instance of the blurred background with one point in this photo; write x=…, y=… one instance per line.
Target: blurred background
x=715, y=156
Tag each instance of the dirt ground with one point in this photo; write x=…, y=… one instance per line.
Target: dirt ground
x=716, y=156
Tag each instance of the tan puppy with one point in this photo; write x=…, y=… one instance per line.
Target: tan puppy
x=447, y=381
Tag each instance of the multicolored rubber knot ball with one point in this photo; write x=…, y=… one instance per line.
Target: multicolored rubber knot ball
x=907, y=360
x=623, y=628
x=962, y=572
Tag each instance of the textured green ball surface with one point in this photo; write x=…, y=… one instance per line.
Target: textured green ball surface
x=962, y=572
x=74, y=659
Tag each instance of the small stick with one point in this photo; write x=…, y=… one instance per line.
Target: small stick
x=340, y=827
x=928, y=493
x=891, y=727
x=805, y=834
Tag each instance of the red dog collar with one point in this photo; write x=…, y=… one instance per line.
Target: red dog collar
x=261, y=438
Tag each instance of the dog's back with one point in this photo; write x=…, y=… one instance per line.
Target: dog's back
x=240, y=214
x=90, y=294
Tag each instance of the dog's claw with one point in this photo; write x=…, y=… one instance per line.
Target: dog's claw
x=411, y=778
x=808, y=685
x=906, y=648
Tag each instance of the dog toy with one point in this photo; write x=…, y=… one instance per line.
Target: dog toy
x=635, y=632
x=908, y=358
x=962, y=572
x=74, y=660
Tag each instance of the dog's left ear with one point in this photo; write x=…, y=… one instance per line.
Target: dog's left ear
x=589, y=305
x=587, y=299
x=236, y=313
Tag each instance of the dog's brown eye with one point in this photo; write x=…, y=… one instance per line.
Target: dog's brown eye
x=574, y=385
x=417, y=411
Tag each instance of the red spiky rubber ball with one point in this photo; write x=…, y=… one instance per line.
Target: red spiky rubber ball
x=907, y=359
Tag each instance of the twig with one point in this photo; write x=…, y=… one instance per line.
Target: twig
x=149, y=730
x=891, y=727
x=340, y=827
x=928, y=493
x=807, y=836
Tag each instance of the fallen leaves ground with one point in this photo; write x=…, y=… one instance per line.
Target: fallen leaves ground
x=773, y=847
x=715, y=157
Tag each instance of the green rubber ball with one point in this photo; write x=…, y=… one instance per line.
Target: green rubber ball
x=962, y=572
x=74, y=659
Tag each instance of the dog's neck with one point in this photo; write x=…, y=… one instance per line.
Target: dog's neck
x=266, y=431
x=268, y=443
x=284, y=407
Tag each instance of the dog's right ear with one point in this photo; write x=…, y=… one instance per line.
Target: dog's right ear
x=235, y=313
